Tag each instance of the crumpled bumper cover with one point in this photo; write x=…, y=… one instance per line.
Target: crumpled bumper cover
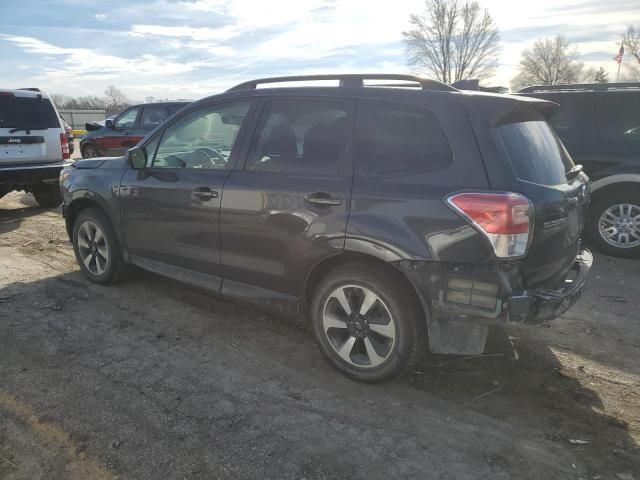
x=539, y=305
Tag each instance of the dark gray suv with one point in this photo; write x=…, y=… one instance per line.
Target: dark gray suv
x=392, y=211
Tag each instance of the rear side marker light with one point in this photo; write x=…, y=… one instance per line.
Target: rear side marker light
x=64, y=145
x=505, y=219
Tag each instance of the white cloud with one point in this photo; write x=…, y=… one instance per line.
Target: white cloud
x=194, y=33
x=293, y=36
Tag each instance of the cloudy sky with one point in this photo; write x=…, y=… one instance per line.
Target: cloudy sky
x=193, y=48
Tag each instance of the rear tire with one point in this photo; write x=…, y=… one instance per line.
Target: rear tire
x=90, y=151
x=368, y=324
x=96, y=247
x=614, y=224
x=47, y=195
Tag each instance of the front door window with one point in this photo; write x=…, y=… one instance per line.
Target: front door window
x=203, y=139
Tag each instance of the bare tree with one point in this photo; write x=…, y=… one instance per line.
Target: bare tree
x=115, y=100
x=60, y=100
x=551, y=61
x=631, y=43
x=453, y=40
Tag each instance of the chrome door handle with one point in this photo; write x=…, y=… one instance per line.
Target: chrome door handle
x=323, y=199
x=204, y=193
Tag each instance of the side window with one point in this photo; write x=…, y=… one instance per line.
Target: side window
x=619, y=117
x=202, y=139
x=174, y=108
x=393, y=138
x=301, y=137
x=127, y=119
x=152, y=116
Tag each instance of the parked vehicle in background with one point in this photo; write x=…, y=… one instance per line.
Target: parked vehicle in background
x=600, y=126
x=126, y=129
x=387, y=216
x=69, y=132
x=33, y=145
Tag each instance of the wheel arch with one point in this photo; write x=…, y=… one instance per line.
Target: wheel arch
x=615, y=183
x=322, y=268
x=80, y=202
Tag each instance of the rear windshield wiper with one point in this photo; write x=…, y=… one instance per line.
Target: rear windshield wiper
x=573, y=173
x=28, y=130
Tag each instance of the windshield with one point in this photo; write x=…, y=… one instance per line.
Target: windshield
x=27, y=112
x=535, y=152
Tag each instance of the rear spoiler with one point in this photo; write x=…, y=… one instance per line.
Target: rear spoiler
x=502, y=109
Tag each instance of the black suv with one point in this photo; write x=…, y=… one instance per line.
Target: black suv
x=386, y=215
x=600, y=126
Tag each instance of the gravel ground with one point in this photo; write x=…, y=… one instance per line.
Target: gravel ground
x=151, y=379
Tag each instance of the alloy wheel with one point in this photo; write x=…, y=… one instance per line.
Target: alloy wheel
x=90, y=152
x=619, y=225
x=359, y=326
x=93, y=248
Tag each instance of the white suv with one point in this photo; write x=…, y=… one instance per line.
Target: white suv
x=33, y=145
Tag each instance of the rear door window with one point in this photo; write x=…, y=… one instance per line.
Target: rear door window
x=27, y=112
x=534, y=151
x=152, y=116
x=619, y=117
x=174, y=108
x=393, y=138
x=302, y=137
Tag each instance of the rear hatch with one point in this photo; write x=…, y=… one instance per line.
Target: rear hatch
x=559, y=191
x=29, y=129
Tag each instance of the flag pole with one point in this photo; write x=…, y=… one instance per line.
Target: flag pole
x=619, y=59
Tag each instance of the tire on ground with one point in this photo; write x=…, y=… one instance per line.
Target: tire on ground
x=596, y=210
x=401, y=303
x=47, y=195
x=90, y=151
x=115, y=267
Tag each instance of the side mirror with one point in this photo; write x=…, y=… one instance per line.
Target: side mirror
x=108, y=123
x=137, y=157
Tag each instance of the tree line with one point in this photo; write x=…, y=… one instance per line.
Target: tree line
x=456, y=40
x=113, y=101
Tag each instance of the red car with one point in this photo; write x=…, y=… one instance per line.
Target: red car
x=126, y=130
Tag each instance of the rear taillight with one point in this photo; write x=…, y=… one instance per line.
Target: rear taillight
x=64, y=145
x=506, y=219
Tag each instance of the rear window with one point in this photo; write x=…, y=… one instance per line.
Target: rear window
x=535, y=152
x=27, y=112
x=392, y=139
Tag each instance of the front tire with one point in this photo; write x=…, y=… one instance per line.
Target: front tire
x=614, y=224
x=368, y=324
x=96, y=247
x=47, y=195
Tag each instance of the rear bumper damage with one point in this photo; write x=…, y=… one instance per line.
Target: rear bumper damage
x=463, y=300
x=541, y=304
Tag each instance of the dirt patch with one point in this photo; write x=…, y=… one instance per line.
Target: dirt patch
x=151, y=379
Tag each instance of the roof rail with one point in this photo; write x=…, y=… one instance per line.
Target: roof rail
x=350, y=81
x=30, y=89
x=580, y=87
